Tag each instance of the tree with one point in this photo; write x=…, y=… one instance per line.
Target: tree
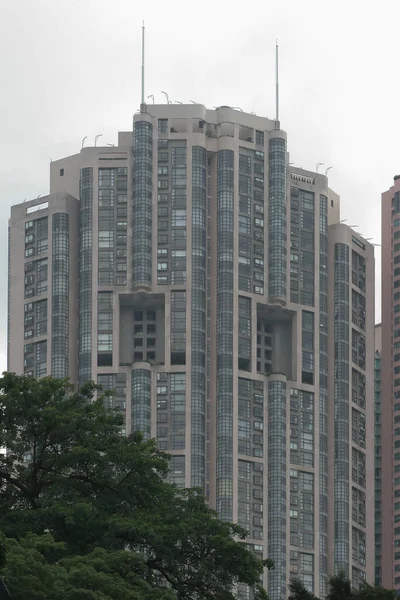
x=68, y=472
x=372, y=592
x=299, y=591
x=36, y=568
x=340, y=589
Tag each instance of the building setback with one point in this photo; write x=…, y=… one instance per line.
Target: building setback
x=212, y=285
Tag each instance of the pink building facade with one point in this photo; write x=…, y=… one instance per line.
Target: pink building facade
x=390, y=348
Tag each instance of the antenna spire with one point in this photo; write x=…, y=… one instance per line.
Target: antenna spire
x=143, y=64
x=277, y=81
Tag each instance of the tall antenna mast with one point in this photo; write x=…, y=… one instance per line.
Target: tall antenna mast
x=142, y=64
x=277, y=82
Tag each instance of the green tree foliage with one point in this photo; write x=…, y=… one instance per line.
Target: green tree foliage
x=298, y=591
x=37, y=568
x=81, y=504
x=340, y=589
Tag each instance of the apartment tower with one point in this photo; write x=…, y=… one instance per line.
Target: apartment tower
x=191, y=269
x=390, y=387
x=378, y=454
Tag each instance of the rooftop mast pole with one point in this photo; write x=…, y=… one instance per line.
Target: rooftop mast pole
x=142, y=64
x=277, y=82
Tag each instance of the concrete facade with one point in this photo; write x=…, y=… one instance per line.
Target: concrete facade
x=378, y=454
x=390, y=387
x=215, y=289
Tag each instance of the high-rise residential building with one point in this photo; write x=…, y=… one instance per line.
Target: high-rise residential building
x=212, y=285
x=378, y=454
x=390, y=387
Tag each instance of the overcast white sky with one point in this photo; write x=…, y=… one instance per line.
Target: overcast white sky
x=71, y=68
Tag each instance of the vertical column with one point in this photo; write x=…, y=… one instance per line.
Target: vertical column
x=141, y=203
x=225, y=198
x=323, y=395
x=341, y=408
x=198, y=351
x=141, y=401
x=60, y=296
x=85, y=275
x=277, y=474
x=277, y=251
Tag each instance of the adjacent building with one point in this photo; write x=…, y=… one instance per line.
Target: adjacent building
x=212, y=285
x=378, y=454
x=390, y=387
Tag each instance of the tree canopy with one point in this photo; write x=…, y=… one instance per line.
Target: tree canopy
x=87, y=514
x=340, y=589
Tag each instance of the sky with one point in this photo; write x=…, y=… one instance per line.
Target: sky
x=71, y=68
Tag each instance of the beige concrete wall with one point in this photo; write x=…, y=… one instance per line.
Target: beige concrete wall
x=54, y=203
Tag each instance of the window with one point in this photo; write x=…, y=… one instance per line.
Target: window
x=259, y=222
x=29, y=252
x=28, y=224
x=41, y=288
x=259, y=138
x=162, y=125
x=61, y=172
x=244, y=224
x=162, y=266
x=42, y=246
x=104, y=342
x=179, y=218
x=106, y=239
